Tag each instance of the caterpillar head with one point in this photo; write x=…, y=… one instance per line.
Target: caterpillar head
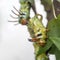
x=24, y=14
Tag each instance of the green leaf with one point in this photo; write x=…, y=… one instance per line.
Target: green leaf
x=54, y=27
x=56, y=41
x=54, y=36
x=54, y=31
x=54, y=50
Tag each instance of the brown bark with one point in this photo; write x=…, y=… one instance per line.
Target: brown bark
x=48, y=8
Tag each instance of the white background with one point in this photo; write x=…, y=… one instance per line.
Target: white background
x=14, y=44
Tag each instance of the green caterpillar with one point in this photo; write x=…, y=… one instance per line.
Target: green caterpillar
x=35, y=26
x=37, y=30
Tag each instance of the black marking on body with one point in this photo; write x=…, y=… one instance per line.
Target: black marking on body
x=39, y=34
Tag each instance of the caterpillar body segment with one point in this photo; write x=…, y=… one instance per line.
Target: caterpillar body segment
x=36, y=26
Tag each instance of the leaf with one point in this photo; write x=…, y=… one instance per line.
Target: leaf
x=54, y=36
x=56, y=41
x=54, y=31
x=54, y=50
x=54, y=27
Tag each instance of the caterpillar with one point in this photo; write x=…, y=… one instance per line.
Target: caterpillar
x=23, y=14
x=34, y=24
x=36, y=27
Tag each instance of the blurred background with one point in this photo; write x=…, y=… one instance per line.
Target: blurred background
x=14, y=44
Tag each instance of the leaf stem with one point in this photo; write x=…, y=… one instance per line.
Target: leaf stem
x=53, y=10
